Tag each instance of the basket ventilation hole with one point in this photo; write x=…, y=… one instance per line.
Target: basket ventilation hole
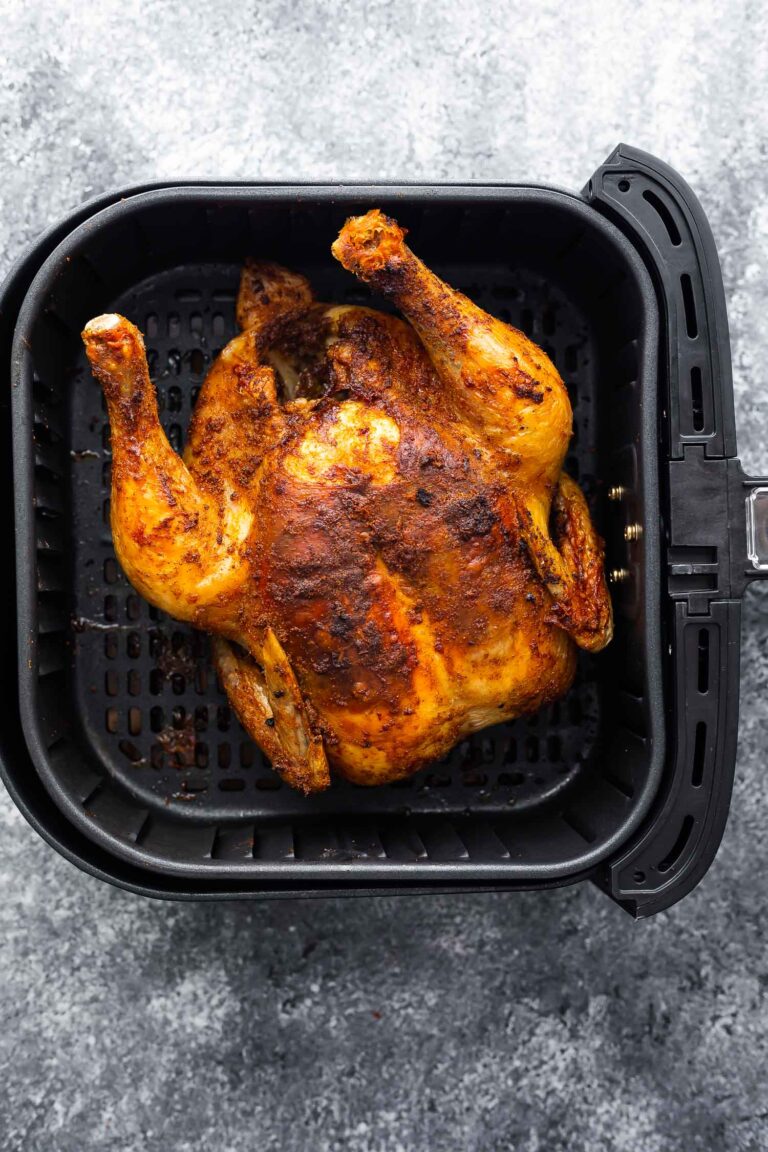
x=667, y=218
x=511, y=779
x=268, y=784
x=703, y=660
x=131, y=751
x=677, y=848
x=691, y=324
x=697, y=400
x=197, y=362
x=232, y=784
x=638, y=876
x=699, y=749
x=624, y=185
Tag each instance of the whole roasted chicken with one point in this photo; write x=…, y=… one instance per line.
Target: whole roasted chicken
x=371, y=516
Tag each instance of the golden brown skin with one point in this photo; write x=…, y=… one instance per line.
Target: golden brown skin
x=372, y=517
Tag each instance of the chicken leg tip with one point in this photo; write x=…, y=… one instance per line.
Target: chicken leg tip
x=100, y=325
x=111, y=336
x=368, y=244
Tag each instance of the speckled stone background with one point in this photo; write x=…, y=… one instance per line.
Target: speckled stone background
x=480, y=1023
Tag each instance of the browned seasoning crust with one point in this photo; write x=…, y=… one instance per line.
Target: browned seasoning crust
x=371, y=515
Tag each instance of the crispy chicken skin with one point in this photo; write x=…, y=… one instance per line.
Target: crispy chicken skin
x=370, y=515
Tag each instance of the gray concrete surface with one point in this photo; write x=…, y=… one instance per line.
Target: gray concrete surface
x=531, y=1022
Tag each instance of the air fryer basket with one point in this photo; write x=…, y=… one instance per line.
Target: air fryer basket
x=151, y=778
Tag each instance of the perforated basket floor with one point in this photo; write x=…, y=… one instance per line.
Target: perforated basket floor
x=148, y=696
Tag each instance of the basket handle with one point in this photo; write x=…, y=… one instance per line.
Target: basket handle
x=756, y=510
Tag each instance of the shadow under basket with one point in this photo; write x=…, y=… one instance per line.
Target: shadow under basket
x=128, y=729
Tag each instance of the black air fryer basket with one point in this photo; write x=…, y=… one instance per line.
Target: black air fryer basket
x=121, y=748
